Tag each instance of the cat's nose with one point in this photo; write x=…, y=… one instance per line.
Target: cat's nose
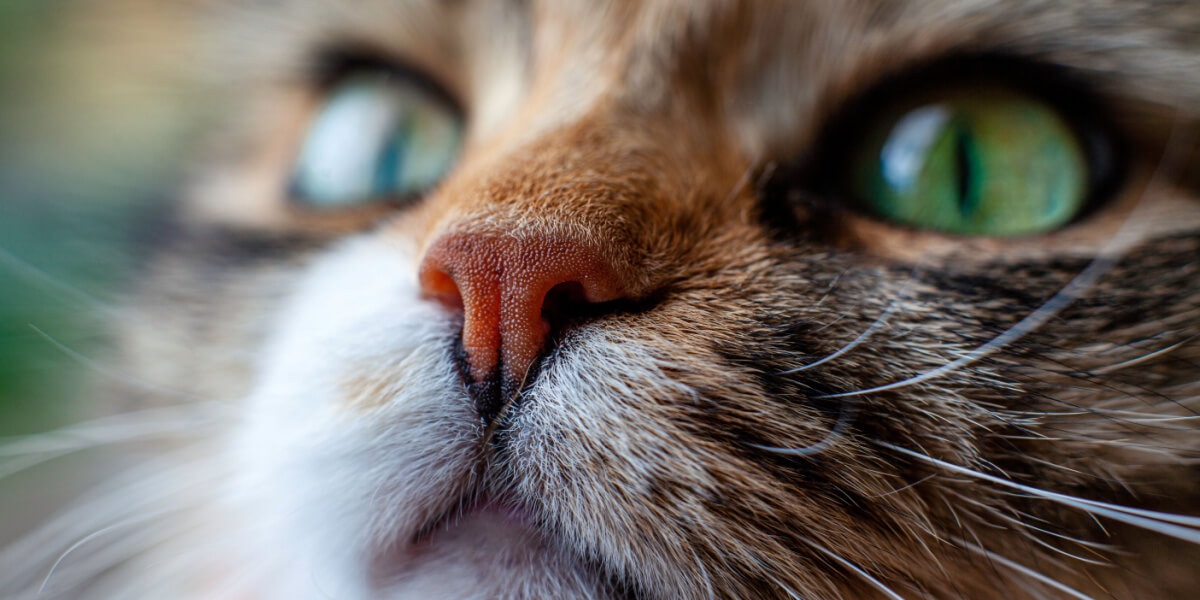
x=513, y=290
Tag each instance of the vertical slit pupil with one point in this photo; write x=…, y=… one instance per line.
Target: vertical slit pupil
x=964, y=171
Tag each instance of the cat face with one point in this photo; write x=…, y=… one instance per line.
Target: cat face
x=637, y=328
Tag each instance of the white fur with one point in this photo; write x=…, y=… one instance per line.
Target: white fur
x=329, y=485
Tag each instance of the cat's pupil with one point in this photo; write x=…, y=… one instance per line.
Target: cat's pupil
x=965, y=175
x=975, y=162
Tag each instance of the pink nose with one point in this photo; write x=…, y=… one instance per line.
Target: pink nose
x=511, y=290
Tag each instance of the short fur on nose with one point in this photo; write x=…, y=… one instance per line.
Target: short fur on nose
x=503, y=285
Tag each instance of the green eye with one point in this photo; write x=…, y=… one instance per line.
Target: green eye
x=377, y=138
x=979, y=162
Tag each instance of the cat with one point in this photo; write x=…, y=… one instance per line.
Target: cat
x=666, y=300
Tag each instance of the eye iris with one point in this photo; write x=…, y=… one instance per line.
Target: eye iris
x=432, y=136
x=376, y=138
x=987, y=162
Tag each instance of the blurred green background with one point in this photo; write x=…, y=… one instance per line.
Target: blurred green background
x=93, y=118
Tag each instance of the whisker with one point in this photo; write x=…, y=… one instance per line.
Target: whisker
x=1177, y=526
x=137, y=488
x=1093, y=547
x=109, y=311
x=1022, y=569
x=108, y=371
x=829, y=290
x=848, y=410
x=905, y=487
x=88, y=538
x=1096, y=381
x=116, y=429
x=785, y=588
x=875, y=583
x=847, y=413
x=1068, y=294
x=1025, y=531
x=835, y=321
x=1053, y=548
x=852, y=344
x=1107, y=258
x=704, y=573
x=31, y=272
x=1143, y=358
x=744, y=181
x=143, y=495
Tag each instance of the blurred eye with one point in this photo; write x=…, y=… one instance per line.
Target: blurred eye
x=978, y=161
x=379, y=137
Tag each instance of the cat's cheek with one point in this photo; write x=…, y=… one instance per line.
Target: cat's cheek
x=356, y=431
x=586, y=447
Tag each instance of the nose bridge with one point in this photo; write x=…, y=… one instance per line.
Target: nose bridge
x=581, y=192
x=581, y=180
x=548, y=235
x=532, y=244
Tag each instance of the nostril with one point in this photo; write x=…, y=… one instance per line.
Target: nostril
x=440, y=286
x=512, y=291
x=562, y=302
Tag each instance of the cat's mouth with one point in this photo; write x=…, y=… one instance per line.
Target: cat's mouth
x=473, y=511
x=477, y=541
x=483, y=525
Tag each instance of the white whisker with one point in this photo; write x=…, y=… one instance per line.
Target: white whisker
x=1068, y=294
x=115, y=429
x=1052, y=548
x=787, y=589
x=29, y=271
x=1093, y=546
x=1145, y=357
x=996, y=558
x=904, y=487
x=30, y=451
x=1107, y=258
x=829, y=290
x=108, y=371
x=1178, y=526
x=704, y=573
x=163, y=485
x=851, y=345
x=109, y=311
x=846, y=416
x=875, y=583
x=95, y=534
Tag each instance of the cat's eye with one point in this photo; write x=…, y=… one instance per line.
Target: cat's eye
x=379, y=137
x=974, y=161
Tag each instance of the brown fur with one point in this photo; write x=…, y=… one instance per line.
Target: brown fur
x=660, y=131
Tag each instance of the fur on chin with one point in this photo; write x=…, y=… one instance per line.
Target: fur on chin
x=361, y=461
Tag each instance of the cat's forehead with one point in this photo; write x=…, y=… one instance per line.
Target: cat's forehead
x=768, y=69
x=699, y=84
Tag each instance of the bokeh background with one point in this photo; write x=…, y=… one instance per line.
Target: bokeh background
x=98, y=110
